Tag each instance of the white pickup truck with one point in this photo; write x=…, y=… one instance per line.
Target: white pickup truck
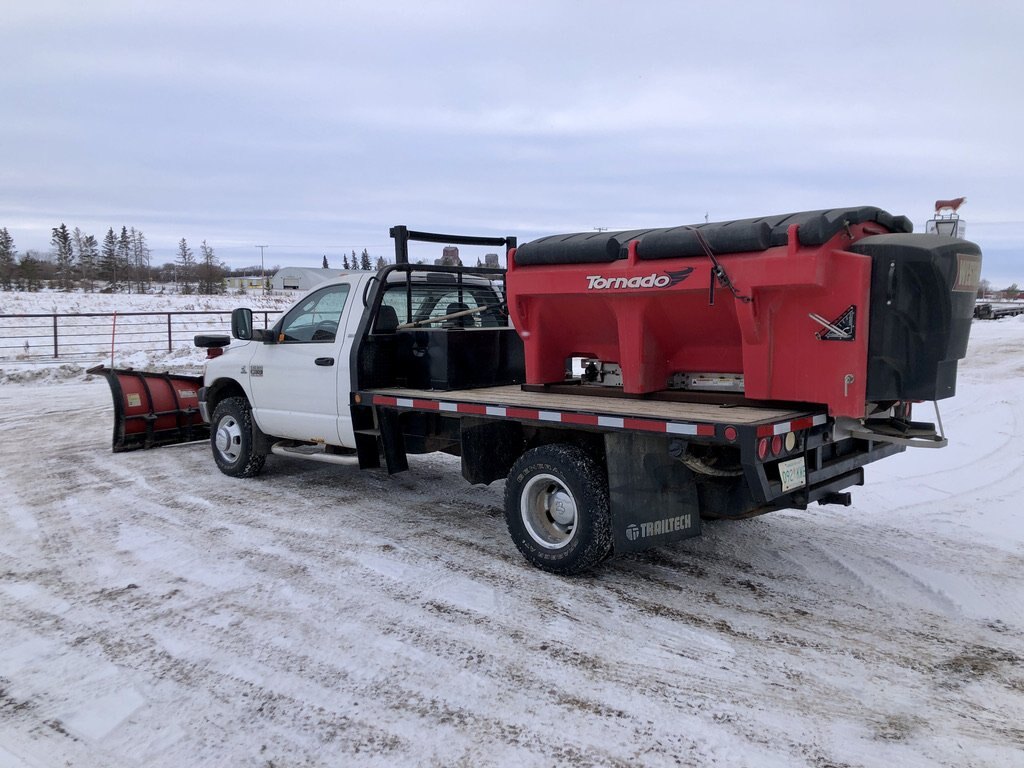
x=417, y=359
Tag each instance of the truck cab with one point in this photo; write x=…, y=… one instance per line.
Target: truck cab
x=294, y=381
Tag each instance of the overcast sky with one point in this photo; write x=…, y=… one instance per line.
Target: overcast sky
x=313, y=127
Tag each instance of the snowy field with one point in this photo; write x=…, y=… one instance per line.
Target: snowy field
x=154, y=612
x=89, y=332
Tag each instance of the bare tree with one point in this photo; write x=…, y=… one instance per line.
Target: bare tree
x=139, y=259
x=211, y=271
x=124, y=257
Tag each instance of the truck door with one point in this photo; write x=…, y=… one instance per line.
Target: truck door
x=295, y=382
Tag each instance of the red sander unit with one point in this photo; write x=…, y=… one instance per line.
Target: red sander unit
x=843, y=308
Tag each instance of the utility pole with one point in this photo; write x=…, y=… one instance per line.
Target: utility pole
x=263, y=277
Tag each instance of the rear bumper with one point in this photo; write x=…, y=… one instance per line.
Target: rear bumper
x=831, y=467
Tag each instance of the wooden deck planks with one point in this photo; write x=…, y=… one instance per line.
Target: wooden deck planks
x=513, y=395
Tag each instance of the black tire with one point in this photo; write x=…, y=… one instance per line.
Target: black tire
x=557, y=509
x=232, y=441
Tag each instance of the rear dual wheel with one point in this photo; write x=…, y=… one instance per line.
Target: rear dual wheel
x=557, y=509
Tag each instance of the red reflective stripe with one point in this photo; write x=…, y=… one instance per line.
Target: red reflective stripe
x=643, y=424
x=579, y=418
x=585, y=419
x=522, y=413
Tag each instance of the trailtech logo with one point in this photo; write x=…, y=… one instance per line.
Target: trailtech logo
x=665, y=280
x=636, y=531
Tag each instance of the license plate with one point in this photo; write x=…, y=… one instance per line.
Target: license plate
x=793, y=474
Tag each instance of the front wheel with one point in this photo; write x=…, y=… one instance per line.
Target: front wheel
x=231, y=438
x=557, y=509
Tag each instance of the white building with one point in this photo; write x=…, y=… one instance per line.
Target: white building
x=302, y=278
x=247, y=283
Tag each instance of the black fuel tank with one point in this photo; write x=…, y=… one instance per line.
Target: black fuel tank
x=923, y=289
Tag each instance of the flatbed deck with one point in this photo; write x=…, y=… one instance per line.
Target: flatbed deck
x=511, y=401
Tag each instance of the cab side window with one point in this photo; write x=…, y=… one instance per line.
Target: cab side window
x=317, y=318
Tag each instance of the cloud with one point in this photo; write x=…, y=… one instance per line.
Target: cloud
x=328, y=122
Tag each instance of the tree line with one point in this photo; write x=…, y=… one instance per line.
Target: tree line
x=359, y=262
x=121, y=263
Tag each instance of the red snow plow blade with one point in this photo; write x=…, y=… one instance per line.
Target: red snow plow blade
x=153, y=409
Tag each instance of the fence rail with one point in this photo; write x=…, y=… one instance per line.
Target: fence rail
x=89, y=335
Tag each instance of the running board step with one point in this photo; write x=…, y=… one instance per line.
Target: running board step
x=340, y=456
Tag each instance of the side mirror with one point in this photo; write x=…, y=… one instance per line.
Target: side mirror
x=241, y=324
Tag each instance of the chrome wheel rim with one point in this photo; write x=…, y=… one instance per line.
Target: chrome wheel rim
x=549, y=511
x=229, y=439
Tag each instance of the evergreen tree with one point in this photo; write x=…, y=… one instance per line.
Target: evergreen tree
x=344, y=261
x=354, y=261
x=211, y=271
x=108, y=269
x=381, y=263
x=88, y=254
x=65, y=257
x=28, y=272
x=325, y=262
x=186, y=264
x=364, y=261
x=8, y=255
x=124, y=257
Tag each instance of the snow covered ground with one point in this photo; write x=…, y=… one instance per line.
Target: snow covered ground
x=86, y=338
x=156, y=613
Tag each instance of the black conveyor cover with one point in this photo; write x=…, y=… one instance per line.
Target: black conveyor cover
x=743, y=235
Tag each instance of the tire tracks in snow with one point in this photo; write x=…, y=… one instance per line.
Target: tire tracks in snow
x=321, y=613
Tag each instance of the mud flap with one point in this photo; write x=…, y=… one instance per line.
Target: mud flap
x=153, y=409
x=653, y=497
